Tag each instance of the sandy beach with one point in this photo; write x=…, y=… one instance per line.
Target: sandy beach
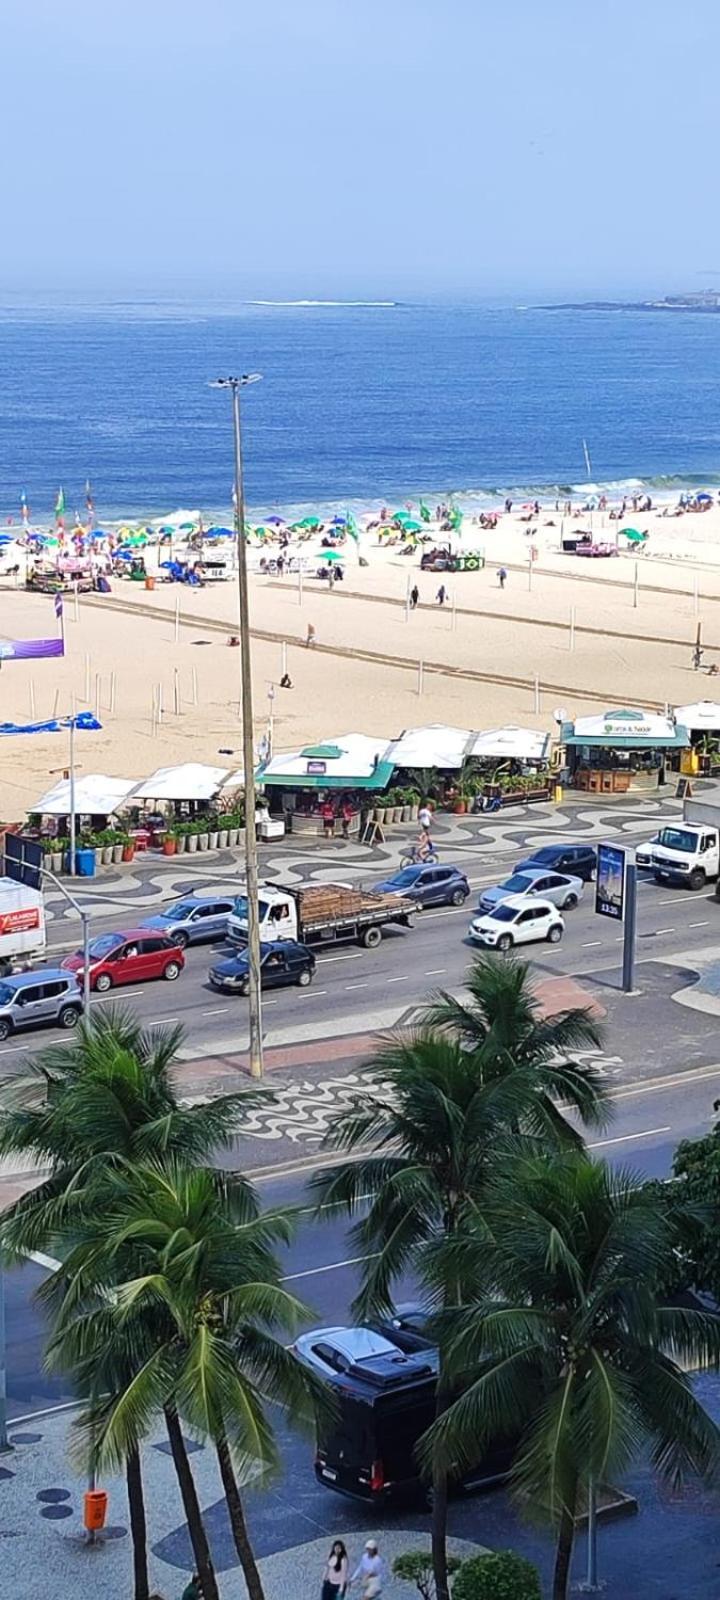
x=595, y=633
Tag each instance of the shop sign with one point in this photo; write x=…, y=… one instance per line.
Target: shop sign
x=316, y=769
x=610, y=882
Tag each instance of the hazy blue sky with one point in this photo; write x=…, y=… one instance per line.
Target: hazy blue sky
x=301, y=147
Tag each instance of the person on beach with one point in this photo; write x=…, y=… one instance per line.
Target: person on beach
x=502, y=577
x=369, y=1571
x=414, y=596
x=335, y=1576
x=441, y=595
x=309, y=642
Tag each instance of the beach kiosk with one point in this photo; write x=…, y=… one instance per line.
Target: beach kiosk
x=623, y=750
x=299, y=784
x=702, y=720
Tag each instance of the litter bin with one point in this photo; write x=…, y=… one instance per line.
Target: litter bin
x=85, y=863
x=558, y=794
x=95, y=1509
x=149, y=583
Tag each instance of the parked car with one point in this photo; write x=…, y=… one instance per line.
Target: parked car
x=191, y=921
x=406, y=1326
x=561, y=890
x=282, y=962
x=430, y=885
x=578, y=859
x=521, y=919
x=44, y=998
x=118, y=958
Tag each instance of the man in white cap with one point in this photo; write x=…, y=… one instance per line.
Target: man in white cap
x=370, y=1572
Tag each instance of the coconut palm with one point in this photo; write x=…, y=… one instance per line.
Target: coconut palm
x=85, y=1111
x=571, y=1351
x=428, y=1138
x=196, y=1293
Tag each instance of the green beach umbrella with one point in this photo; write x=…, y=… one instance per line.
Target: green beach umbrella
x=634, y=535
x=413, y=527
x=331, y=555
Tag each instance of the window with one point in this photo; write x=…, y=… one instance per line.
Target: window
x=179, y=913
x=331, y=1357
x=148, y=947
x=29, y=996
x=51, y=990
x=105, y=945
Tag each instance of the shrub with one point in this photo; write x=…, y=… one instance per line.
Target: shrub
x=499, y=1575
x=415, y=1566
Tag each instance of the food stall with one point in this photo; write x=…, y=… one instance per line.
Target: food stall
x=622, y=750
x=702, y=720
x=299, y=783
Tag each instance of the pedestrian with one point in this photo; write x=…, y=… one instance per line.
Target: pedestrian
x=425, y=817
x=502, y=577
x=309, y=642
x=328, y=817
x=369, y=1571
x=414, y=596
x=698, y=653
x=346, y=812
x=192, y=1590
x=441, y=594
x=335, y=1576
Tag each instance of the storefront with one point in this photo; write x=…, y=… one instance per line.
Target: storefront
x=324, y=788
x=702, y=720
x=622, y=750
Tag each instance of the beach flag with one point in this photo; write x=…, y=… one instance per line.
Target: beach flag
x=60, y=618
x=352, y=527
x=60, y=508
x=424, y=511
x=24, y=513
x=58, y=605
x=456, y=517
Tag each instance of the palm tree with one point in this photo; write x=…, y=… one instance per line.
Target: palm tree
x=88, y=1110
x=585, y=1365
x=432, y=1133
x=196, y=1293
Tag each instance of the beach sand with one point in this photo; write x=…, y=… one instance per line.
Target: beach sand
x=365, y=677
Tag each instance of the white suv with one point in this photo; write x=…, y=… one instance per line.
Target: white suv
x=521, y=919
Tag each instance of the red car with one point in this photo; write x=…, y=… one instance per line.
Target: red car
x=117, y=958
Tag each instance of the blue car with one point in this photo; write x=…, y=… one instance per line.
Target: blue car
x=430, y=885
x=196, y=918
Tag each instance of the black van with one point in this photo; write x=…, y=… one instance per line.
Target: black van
x=384, y=1402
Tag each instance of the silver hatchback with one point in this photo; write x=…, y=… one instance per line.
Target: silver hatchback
x=194, y=919
x=46, y=998
x=559, y=888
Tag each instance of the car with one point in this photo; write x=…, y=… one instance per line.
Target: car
x=363, y=1353
x=558, y=887
x=578, y=859
x=406, y=1326
x=195, y=918
x=44, y=998
x=428, y=885
x=521, y=919
x=132, y=957
x=282, y=962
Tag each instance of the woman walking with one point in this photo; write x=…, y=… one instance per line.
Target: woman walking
x=335, y=1578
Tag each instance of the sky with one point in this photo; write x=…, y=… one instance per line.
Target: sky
x=400, y=148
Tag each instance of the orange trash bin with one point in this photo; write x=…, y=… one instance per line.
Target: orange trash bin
x=149, y=583
x=96, y=1502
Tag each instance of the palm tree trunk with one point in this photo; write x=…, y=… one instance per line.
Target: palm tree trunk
x=438, y=1532
x=564, y=1550
x=191, y=1506
x=138, y=1524
x=237, y=1521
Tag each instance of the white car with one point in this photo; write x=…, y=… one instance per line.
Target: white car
x=520, y=919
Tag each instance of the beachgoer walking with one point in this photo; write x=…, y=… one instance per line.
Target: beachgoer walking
x=502, y=577
x=508, y=507
x=309, y=642
x=698, y=654
x=335, y=1576
x=414, y=596
x=369, y=1572
x=441, y=595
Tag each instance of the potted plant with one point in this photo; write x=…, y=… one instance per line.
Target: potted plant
x=213, y=833
x=191, y=837
x=414, y=799
x=127, y=847
x=223, y=832
x=406, y=813
x=169, y=844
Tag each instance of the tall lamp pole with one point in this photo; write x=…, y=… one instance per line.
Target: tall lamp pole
x=251, y=869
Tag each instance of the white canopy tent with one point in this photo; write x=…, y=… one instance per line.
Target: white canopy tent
x=510, y=743
x=433, y=746
x=190, y=781
x=703, y=715
x=95, y=796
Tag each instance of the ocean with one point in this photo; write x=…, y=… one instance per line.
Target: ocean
x=359, y=405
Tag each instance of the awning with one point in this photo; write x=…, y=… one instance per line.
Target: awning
x=625, y=730
x=704, y=714
x=191, y=781
x=433, y=746
x=350, y=761
x=95, y=795
x=519, y=744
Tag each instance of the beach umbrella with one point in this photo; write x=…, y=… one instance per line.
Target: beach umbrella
x=413, y=527
x=400, y=516
x=278, y=521
x=331, y=555
x=703, y=496
x=340, y=521
x=634, y=535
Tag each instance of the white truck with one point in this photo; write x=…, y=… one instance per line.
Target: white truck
x=687, y=851
x=22, y=925
x=320, y=913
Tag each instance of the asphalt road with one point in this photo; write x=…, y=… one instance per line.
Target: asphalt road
x=357, y=990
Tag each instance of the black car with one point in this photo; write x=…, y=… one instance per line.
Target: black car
x=282, y=962
x=428, y=885
x=580, y=860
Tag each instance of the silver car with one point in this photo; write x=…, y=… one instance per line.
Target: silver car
x=196, y=918
x=557, y=887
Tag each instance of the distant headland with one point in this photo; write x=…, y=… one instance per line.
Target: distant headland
x=707, y=300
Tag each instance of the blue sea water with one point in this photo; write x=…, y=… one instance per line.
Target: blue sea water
x=358, y=404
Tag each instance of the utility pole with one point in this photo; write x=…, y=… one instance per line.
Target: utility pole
x=246, y=701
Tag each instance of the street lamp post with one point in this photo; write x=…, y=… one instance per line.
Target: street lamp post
x=246, y=700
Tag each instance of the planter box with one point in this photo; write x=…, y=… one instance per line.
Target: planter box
x=56, y=861
x=106, y=855
x=518, y=798
x=117, y=854
x=233, y=835
x=202, y=840
x=192, y=843
x=169, y=847
x=213, y=840
x=181, y=844
x=223, y=837
x=128, y=852
x=405, y=814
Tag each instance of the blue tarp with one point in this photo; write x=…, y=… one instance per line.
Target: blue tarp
x=85, y=722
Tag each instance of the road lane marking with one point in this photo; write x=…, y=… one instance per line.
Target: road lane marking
x=435, y=972
x=307, y=994
x=357, y=986
x=158, y=1022
x=403, y=979
x=332, y=1266
x=13, y=1049
x=677, y=899
x=705, y=924
x=218, y=1012
x=657, y=931
x=589, y=944
x=111, y=994
x=624, y=1138
x=356, y=955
